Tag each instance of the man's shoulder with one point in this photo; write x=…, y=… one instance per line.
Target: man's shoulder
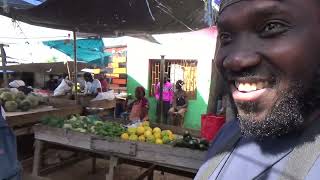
x=227, y=134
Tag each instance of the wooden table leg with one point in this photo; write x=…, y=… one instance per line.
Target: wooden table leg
x=37, y=160
x=113, y=162
x=148, y=173
x=150, y=177
x=93, y=167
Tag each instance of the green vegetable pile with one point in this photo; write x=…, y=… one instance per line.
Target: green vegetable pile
x=86, y=124
x=193, y=143
x=53, y=121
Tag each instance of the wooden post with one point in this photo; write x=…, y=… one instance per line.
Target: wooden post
x=215, y=86
x=75, y=65
x=113, y=162
x=37, y=160
x=218, y=88
x=4, y=65
x=68, y=69
x=162, y=67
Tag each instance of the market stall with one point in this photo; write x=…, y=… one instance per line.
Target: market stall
x=22, y=122
x=23, y=111
x=88, y=138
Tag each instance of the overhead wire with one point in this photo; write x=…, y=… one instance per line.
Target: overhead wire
x=150, y=12
x=166, y=10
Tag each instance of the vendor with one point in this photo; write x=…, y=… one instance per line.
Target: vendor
x=139, y=108
x=52, y=83
x=20, y=85
x=92, y=86
x=103, y=81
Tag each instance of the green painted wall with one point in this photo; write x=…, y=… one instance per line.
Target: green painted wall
x=195, y=109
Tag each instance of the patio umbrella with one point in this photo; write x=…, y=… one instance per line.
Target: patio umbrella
x=88, y=50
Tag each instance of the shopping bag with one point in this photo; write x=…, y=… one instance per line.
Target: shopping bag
x=210, y=125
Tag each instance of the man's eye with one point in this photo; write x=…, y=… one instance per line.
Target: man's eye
x=273, y=28
x=225, y=38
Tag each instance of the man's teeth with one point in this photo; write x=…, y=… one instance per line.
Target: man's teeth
x=247, y=87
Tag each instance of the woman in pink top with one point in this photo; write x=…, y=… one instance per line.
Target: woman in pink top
x=167, y=98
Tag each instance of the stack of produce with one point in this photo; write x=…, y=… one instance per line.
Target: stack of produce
x=53, y=121
x=86, y=124
x=18, y=101
x=144, y=133
x=193, y=143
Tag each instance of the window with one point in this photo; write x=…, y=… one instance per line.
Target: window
x=185, y=70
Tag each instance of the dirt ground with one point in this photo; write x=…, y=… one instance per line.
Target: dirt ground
x=81, y=171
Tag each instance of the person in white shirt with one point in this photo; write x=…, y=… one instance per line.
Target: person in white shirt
x=92, y=86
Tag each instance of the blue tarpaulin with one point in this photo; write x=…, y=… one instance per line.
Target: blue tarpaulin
x=88, y=50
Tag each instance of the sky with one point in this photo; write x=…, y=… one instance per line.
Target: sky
x=25, y=41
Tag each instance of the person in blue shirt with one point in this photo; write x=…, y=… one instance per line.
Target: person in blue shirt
x=10, y=166
x=267, y=52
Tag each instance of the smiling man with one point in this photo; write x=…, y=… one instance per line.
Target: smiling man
x=268, y=52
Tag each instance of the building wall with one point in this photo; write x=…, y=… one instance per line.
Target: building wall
x=198, y=45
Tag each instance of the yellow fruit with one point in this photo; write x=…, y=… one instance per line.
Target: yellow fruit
x=157, y=135
x=169, y=132
x=146, y=123
x=133, y=137
x=125, y=136
x=147, y=133
x=150, y=139
x=140, y=130
x=142, y=138
x=156, y=129
x=147, y=128
x=159, y=141
x=171, y=137
x=132, y=130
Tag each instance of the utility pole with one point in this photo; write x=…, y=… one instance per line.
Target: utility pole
x=162, y=67
x=4, y=65
x=75, y=66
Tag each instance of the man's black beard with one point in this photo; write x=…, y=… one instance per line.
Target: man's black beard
x=287, y=114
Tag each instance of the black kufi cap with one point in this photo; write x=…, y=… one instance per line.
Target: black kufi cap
x=224, y=4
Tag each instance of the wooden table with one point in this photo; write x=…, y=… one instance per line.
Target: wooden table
x=166, y=156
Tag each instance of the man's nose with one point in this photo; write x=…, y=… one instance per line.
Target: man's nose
x=241, y=61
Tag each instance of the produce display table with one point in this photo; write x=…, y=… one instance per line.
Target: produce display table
x=181, y=159
x=22, y=122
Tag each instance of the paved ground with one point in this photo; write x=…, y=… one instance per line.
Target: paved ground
x=81, y=171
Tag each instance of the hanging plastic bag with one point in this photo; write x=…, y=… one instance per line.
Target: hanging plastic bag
x=62, y=89
x=105, y=95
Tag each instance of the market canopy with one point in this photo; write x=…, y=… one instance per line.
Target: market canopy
x=88, y=50
x=112, y=17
